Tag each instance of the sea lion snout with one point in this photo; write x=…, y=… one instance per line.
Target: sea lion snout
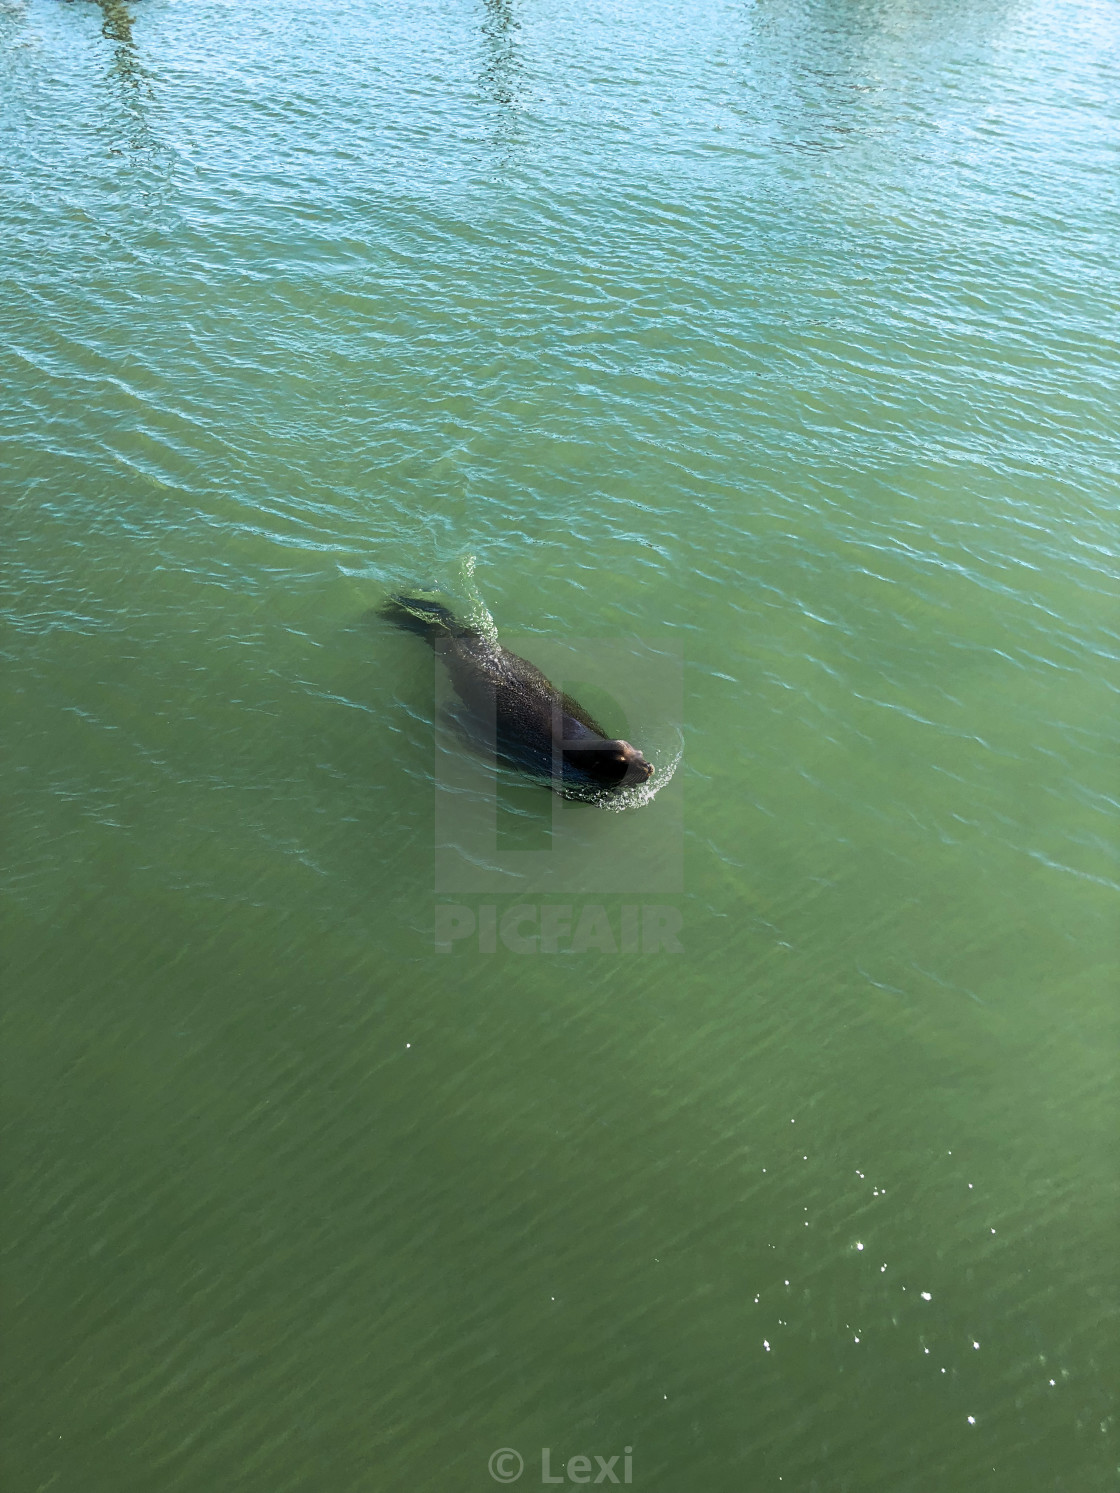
x=638, y=770
x=615, y=764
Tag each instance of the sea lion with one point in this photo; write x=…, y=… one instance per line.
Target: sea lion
x=533, y=725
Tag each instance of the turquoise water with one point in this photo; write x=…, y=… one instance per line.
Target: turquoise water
x=754, y=367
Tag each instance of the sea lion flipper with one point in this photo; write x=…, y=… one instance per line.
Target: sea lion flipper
x=428, y=618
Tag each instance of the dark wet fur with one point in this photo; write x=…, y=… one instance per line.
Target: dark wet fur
x=531, y=724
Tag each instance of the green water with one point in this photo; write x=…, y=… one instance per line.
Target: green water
x=763, y=356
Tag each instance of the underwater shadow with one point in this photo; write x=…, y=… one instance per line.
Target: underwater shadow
x=133, y=86
x=502, y=78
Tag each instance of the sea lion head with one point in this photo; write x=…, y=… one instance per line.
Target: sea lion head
x=613, y=764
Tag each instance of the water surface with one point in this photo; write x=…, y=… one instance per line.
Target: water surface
x=764, y=357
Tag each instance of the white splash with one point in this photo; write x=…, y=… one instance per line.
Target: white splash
x=478, y=614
